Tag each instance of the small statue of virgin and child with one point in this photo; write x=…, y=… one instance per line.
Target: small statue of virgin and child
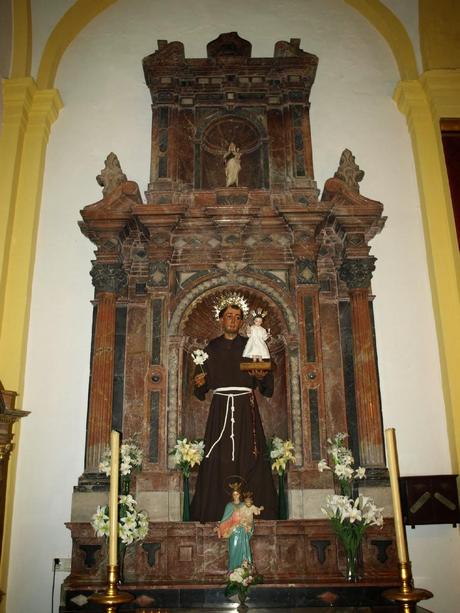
x=237, y=525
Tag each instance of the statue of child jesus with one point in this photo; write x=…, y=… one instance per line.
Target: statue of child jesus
x=256, y=347
x=247, y=512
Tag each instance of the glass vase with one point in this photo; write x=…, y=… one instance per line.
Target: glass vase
x=242, y=595
x=282, y=497
x=352, y=561
x=186, y=500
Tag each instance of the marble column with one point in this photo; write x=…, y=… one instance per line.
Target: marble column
x=357, y=273
x=108, y=279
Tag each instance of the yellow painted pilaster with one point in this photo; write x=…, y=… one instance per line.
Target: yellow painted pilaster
x=19, y=261
x=424, y=101
x=17, y=100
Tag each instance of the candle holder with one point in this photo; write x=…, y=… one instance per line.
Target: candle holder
x=407, y=595
x=112, y=597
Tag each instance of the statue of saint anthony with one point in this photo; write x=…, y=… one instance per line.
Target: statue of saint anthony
x=234, y=437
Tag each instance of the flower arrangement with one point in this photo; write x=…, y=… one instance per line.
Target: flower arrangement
x=187, y=454
x=240, y=580
x=133, y=525
x=281, y=453
x=199, y=357
x=342, y=462
x=130, y=459
x=350, y=516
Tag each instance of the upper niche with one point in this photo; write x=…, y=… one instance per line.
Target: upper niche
x=215, y=143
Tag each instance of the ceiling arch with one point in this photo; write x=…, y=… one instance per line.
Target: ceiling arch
x=84, y=11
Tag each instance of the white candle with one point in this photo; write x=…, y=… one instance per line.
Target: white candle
x=113, y=498
x=393, y=468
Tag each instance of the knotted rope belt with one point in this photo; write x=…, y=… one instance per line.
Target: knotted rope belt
x=231, y=393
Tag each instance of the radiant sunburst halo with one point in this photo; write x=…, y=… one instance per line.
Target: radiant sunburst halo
x=228, y=299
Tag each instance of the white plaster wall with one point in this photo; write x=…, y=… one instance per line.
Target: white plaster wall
x=407, y=13
x=107, y=109
x=45, y=15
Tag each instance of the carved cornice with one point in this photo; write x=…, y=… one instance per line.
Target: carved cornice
x=357, y=273
x=108, y=277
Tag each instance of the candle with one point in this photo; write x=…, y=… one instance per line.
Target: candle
x=393, y=468
x=113, y=498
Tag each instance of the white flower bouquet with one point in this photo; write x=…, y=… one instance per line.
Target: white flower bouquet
x=187, y=454
x=133, y=525
x=342, y=462
x=281, y=453
x=350, y=516
x=240, y=580
x=199, y=357
x=130, y=459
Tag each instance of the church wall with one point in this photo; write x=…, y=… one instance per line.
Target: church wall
x=107, y=108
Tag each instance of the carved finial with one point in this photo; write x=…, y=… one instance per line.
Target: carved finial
x=229, y=44
x=111, y=175
x=348, y=171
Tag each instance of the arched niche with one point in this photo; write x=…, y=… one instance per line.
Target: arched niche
x=198, y=325
x=214, y=143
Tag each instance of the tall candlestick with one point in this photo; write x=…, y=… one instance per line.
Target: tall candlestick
x=393, y=468
x=113, y=497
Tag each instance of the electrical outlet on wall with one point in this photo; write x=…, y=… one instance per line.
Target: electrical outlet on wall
x=61, y=565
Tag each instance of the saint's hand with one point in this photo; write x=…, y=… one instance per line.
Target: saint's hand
x=258, y=374
x=200, y=379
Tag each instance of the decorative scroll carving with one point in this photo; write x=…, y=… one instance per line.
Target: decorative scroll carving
x=357, y=273
x=111, y=175
x=348, y=171
x=108, y=277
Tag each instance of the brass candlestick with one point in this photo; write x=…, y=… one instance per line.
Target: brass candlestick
x=112, y=597
x=407, y=594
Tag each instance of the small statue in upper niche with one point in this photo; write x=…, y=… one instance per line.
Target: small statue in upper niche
x=232, y=161
x=256, y=347
x=111, y=175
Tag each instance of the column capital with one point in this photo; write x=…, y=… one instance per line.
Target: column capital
x=18, y=95
x=412, y=101
x=108, y=277
x=442, y=88
x=357, y=272
x=45, y=109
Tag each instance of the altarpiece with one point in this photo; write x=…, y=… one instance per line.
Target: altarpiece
x=232, y=204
